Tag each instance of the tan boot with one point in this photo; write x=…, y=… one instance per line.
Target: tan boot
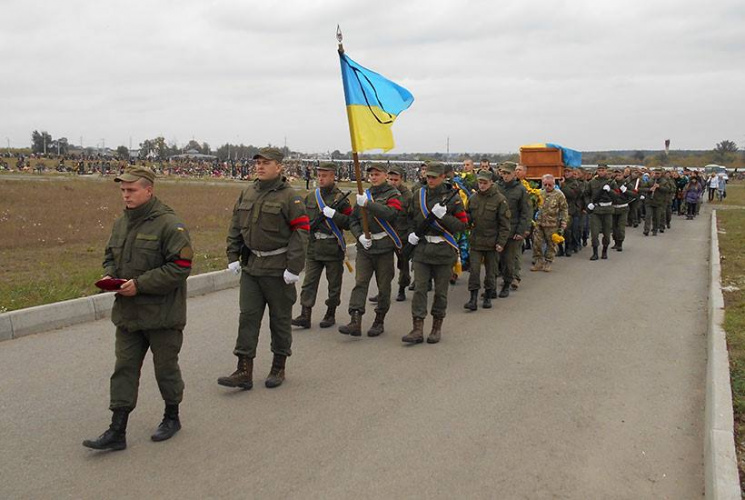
x=538, y=266
x=243, y=375
x=436, y=333
x=377, y=327
x=416, y=335
x=304, y=318
x=354, y=327
x=329, y=319
x=277, y=373
x=547, y=267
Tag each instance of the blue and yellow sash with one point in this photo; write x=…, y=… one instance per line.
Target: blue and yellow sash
x=386, y=225
x=449, y=238
x=330, y=223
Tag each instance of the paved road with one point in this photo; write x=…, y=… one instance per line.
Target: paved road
x=587, y=383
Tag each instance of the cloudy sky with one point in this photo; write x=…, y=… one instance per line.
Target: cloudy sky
x=591, y=75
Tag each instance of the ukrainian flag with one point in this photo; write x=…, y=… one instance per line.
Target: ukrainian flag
x=373, y=103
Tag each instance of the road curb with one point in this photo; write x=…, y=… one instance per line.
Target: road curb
x=39, y=319
x=720, y=459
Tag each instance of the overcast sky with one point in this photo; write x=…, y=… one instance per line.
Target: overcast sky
x=491, y=75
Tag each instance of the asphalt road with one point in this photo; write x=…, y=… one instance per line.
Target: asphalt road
x=587, y=383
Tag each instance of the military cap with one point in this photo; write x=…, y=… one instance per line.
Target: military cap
x=397, y=169
x=270, y=154
x=602, y=165
x=485, y=174
x=135, y=173
x=508, y=166
x=377, y=166
x=658, y=169
x=435, y=169
x=327, y=165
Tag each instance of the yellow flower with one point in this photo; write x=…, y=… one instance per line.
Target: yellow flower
x=557, y=238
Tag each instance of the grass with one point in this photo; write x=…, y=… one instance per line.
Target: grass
x=735, y=193
x=731, y=243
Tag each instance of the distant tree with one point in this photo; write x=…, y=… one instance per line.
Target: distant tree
x=193, y=145
x=725, y=151
x=59, y=146
x=40, y=141
x=206, y=149
x=638, y=156
x=336, y=155
x=122, y=152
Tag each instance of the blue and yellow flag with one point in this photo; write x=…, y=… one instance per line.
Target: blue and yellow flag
x=373, y=103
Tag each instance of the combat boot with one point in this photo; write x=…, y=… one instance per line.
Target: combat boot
x=277, y=373
x=472, y=303
x=401, y=294
x=169, y=426
x=330, y=318
x=594, y=253
x=560, y=252
x=568, y=251
x=377, y=327
x=505, y=291
x=619, y=246
x=605, y=252
x=242, y=376
x=416, y=335
x=115, y=437
x=547, y=267
x=538, y=266
x=304, y=318
x=373, y=299
x=436, y=333
x=354, y=327
x=486, y=304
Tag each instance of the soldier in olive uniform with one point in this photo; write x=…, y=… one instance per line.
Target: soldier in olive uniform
x=624, y=196
x=573, y=190
x=266, y=245
x=436, y=251
x=653, y=192
x=634, y=184
x=489, y=216
x=521, y=214
x=396, y=179
x=382, y=203
x=326, y=247
x=600, y=192
x=670, y=192
x=150, y=248
x=551, y=218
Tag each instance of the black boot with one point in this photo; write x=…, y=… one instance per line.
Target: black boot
x=304, y=318
x=605, y=252
x=401, y=294
x=560, y=251
x=277, y=373
x=472, y=305
x=594, y=253
x=486, y=304
x=568, y=251
x=354, y=327
x=619, y=246
x=377, y=327
x=330, y=318
x=505, y=291
x=115, y=437
x=169, y=426
x=412, y=287
x=615, y=245
x=374, y=299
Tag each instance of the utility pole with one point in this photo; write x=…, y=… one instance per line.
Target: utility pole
x=448, y=148
x=43, y=135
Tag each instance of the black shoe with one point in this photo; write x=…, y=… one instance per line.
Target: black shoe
x=374, y=299
x=487, y=300
x=584, y=243
x=169, y=426
x=646, y=233
x=504, y=292
x=472, y=305
x=662, y=230
x=115, y=437
x=594, y=253
x=412, y=287
x=401, y=294
x=619, y=246
x=604, y=255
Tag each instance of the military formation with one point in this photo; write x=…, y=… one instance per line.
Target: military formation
x=480, y=221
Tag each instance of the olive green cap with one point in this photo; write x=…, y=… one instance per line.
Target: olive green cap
x=508, y=166
x=377, y=166
x=602, y=165
x=132, y=174
x=435, y=169
x=328, y=165
x=270, y=154
x=485, y=174
x=397, y=169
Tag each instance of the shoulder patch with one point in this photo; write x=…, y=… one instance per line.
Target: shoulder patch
x=180, y=227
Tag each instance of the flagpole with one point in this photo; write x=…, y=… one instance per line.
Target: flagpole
x=355, y=157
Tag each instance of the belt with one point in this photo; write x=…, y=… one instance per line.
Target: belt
x=323, y=236
x=605, y=204
x=621, y=206
x=378, y=236
x=269, y=253
x=434, y=239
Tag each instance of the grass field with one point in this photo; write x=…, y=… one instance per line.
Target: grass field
x=731, y=244
x=735, y=193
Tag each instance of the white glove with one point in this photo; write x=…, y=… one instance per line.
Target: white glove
x=329, y=212
x=235, y=267
x=362, y=200
x=642, y=197
x=365, y=242
x=624, y=188
x=413, y=238
x=290, y=278
x=439, y=210
x=591, y=206
x=606, y=188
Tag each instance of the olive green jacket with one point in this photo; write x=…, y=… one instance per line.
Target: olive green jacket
x=386, y=206
x=574, y=191
x=453, y=221
x=596, y=195
x=326, y=249
x=151, y=245
x=521, y=212
x=402, y=221
x=489, y=219
x=269, y=216
x=655, y=198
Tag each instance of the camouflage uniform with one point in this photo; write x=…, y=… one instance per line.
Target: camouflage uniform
x=551, y=215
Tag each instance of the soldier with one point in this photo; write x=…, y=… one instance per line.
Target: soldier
x=396, y=179
x=573, y=190
x=600, y=193
x=326, y=247
x=489, y=216
x=521, y=213
x=670, y=193
x=653, y=191
x=374, y=254
x=266, y=245
x=435, y=253
x=150, y=248
x=634, y=210
x=552, y=217
x=624, y=196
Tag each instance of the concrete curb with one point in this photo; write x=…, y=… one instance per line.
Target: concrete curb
x=720, y=460
x=38, y=319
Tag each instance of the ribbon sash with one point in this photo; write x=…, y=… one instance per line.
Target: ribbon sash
x=330, y=223
x=449, y=238
x=386, y=225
